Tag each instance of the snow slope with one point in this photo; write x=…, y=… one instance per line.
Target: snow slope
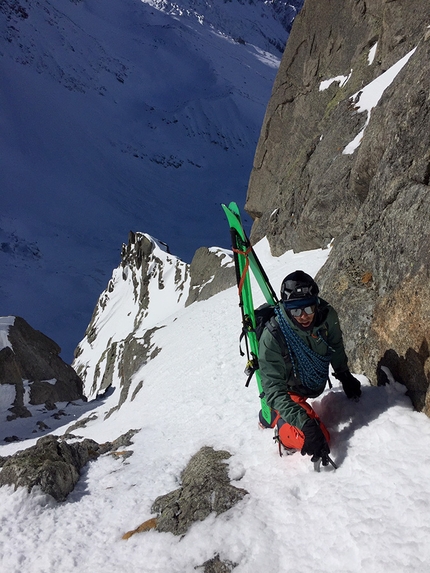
x=119, y=116
x=261, y=23
x=369, y=515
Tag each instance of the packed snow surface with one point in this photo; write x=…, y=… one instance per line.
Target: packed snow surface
x=371, y=514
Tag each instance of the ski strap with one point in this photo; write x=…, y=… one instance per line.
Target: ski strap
x=245, y=268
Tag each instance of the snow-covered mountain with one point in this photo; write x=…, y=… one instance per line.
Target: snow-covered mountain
x=259, y=22
x=117, y=116
x=370, y=514
x=147, y=288
x=185, y=390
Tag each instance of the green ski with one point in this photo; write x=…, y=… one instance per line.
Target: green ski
x=244, y=260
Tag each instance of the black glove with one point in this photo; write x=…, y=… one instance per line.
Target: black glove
x=315, y=443
x=351, y=386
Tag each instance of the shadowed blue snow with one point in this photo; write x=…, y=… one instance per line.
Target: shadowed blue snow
x=116, y=116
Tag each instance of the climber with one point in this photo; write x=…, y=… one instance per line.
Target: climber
x=297, y=368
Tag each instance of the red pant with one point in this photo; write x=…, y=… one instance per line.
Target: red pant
x=290, y=436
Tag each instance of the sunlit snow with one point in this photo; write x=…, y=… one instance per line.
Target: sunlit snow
x=5, y=323
x=368, y=97
x=372, y=53
x=371, y=514
x=341, y=80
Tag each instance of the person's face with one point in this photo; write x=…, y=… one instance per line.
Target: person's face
x=305, y=319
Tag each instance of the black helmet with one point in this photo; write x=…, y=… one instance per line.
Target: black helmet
x=299, y=285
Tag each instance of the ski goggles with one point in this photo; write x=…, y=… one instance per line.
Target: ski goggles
x=296, y=312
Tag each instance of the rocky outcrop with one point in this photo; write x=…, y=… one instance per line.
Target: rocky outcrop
x=303, y=190
x=205, y=489
x=378, y=274
x=31, y=363
x=212, y=271
x=327, y=168
x=55, y=465
x=145, y=291
x=52, y=465
x=216, y=565
x=118, y=340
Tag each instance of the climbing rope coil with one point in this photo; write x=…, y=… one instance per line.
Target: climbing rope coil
x=312, y=368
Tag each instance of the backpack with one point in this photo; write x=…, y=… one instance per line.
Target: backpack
x=264, y=317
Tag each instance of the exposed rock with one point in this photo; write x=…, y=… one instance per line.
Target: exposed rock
x=81, y=423
x=205, y=489
x=215, y=565
x=54, y=465
x=11, y=440
x=390, y=241
x=212, y=271
x=123, y=441
x=10, y=374
x=148, y=274
x=304, y=190
x=146, y=271
x=34, y=358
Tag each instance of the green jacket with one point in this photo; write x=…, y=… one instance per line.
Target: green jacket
x=277, y=375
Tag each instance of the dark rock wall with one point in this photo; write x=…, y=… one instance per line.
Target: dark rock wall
x=304, y=191
x=35, y=358
x=299, y=169
x=211, y=271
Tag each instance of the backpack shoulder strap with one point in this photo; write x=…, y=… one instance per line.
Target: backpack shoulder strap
x=275, y=330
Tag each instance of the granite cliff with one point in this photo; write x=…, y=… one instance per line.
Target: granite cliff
x=330, y=166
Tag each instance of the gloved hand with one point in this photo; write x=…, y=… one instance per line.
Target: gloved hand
x=351, y=386
x=315, y=443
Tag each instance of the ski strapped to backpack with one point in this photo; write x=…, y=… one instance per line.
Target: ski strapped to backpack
x=245, y=259
x=255, y=320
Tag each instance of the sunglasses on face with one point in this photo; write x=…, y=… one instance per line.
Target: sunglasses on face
x=296, y=312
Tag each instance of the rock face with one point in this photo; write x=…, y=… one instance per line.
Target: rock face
x=205, y=489
x=30, y=361
x=54, y=465
x=314, y=179
x=212, y=270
